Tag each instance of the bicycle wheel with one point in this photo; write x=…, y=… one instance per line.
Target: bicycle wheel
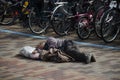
x=8, y=17
x=83, y=29
x=60, y=22
x=97, y=20
x=36, y=24
x=109, y=30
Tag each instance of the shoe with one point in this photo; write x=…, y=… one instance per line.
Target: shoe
x=88, y=58
x=93, y=59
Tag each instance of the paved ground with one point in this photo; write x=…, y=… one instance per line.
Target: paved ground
x=13, y=67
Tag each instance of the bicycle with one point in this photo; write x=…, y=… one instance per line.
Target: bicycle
x=3, y=6
x=110, y=24
x=105, y=5
x=62, y=17
x=19, y=10
x=39, y=24
x=91, y=21
x=85, y=22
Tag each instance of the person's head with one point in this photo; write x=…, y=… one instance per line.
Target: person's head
x=35, y=55
x=40, y=45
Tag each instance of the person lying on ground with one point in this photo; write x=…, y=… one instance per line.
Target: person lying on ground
x=66, y=46
x=45, y=55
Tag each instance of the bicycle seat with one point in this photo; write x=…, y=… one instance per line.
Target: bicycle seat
x=61, y=3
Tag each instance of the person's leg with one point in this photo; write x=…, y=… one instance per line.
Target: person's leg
x=73, y=50
x=93, y=59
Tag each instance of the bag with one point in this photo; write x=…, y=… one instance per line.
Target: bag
x=27, y=52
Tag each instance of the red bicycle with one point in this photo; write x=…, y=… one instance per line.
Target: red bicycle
x=85, y=22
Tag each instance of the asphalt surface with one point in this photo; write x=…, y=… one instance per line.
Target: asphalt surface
x=14, y=67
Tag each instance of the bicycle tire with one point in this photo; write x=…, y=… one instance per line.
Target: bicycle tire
x=83, y=31
x=8, y=16
x=59, y=21
x=109, y=31
x=36, y=25
x=97, y=20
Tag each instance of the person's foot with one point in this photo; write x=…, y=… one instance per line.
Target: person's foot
x=89, y=58
x=93, y=59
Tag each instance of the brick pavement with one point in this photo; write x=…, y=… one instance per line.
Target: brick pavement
x=13, y=67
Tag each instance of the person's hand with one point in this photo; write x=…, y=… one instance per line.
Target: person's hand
x=51, y=50
x=55, y=50
x=35, y=51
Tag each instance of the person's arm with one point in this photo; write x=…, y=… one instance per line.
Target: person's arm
x=52, y=42
x=53, y=50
